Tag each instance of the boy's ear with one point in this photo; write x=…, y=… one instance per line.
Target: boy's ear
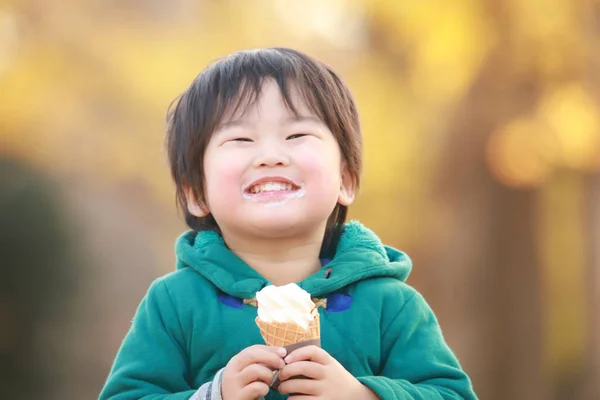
x=347, y=187
x=193, y=206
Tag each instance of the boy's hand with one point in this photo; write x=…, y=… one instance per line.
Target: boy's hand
x=325, y=378
x=248, y=374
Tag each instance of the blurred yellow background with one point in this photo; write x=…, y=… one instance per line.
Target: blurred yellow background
x=481, y=124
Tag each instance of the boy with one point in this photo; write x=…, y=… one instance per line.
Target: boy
x=265, y=152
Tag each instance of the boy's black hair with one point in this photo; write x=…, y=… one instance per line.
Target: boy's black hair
x=232, y=84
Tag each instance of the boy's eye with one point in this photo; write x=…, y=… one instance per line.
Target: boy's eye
x=296, y=136
x=241, y=139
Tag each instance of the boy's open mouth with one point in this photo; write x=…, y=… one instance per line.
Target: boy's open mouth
x=272, y=187
x=266, y=187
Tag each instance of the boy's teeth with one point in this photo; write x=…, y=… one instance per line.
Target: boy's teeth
x=270, y=187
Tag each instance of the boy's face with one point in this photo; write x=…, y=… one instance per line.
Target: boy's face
x=270, y=174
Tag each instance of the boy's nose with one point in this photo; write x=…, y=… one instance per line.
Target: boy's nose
x=271, y=155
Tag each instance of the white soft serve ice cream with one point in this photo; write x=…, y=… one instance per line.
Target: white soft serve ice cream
x=289, y=303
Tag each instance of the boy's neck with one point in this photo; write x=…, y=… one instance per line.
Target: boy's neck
x=280, y=261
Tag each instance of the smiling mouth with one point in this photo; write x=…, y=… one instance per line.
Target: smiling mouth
x=271, y=187
x=273, y=193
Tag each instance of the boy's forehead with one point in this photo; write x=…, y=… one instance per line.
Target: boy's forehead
x=270, y=102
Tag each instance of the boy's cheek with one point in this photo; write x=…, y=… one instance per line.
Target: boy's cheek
x=225, y=178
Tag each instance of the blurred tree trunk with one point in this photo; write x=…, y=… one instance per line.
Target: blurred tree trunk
x=592, y=385
x=499, y=299
x=496, y=266
x=592, y=73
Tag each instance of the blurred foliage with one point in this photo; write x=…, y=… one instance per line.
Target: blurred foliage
x=36, y=280
x=100, y=78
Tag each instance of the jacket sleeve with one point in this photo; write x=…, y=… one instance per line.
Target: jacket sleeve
x=151, y=363
x=210, y=390
x=418, y=364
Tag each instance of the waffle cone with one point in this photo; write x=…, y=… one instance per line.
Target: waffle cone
x=287, y=333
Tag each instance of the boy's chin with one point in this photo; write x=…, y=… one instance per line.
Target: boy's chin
x=275, y=229
x=280, y=228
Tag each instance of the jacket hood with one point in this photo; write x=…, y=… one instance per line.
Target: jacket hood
x=360, y=254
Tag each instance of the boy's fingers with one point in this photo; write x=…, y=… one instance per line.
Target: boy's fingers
x=280, y=351
x=308, y=353
x=256, y=372
x=300, y=386
x=255, y=390
x=273, y=349
x=270, y=356
x=308, y=369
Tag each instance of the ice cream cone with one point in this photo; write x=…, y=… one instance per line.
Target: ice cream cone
x=288, y=333
x=291, y=336
x=287, y=317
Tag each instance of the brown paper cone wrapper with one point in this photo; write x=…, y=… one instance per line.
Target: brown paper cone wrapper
x=314, y=342
x=291, y=336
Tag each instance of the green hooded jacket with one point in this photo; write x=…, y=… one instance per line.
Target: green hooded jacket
x=193, y=320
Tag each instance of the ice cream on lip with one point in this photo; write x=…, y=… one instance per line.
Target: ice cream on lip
x=286, y=304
